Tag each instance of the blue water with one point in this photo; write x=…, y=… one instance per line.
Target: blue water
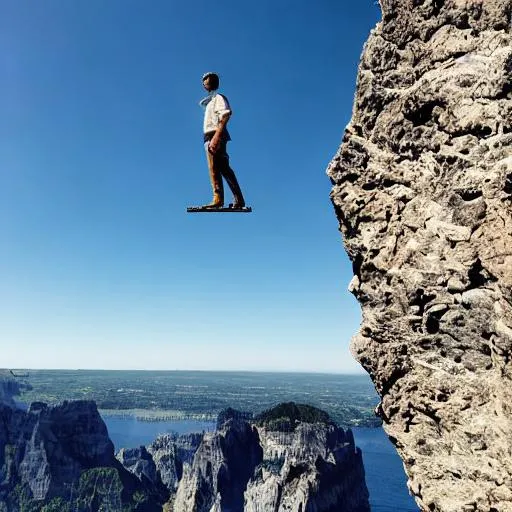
x=131, y=433
x=385, y=476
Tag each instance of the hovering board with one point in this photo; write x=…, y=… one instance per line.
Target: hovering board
x=210, y=209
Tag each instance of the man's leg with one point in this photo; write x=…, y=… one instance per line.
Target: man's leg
x=221, y=162
x=215, y=179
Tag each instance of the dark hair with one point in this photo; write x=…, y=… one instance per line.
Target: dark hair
x=214, y=79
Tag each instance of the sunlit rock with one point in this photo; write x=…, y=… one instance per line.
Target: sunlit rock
x=423, y=192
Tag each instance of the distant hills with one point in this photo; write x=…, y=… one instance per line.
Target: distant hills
x=349, y=400
x=287, y=416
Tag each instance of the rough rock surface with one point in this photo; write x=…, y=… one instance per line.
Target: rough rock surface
x=139, y=462
x=57, y=451
x=221, y=469
x=10, y=387
x=316, y=467
x=53, y=444
x=243, y=467
x=169, y=452
x=423, y=192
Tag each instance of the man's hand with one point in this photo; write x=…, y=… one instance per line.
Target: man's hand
x=214, y=144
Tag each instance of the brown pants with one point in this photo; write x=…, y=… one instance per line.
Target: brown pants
x=218, y=165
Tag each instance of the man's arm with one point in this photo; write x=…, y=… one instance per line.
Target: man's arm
x=215, y=142
x=223, y=110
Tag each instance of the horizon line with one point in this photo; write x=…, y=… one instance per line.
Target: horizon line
x=308, y=372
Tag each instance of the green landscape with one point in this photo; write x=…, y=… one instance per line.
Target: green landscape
x=168, y=395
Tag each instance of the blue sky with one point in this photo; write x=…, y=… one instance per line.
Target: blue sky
x=101, y=152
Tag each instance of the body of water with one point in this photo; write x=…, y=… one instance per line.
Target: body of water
x=385, y=475
x=131, y=432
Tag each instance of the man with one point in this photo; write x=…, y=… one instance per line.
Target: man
x=216, y=136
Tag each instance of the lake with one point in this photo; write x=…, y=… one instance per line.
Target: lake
x=385, y=476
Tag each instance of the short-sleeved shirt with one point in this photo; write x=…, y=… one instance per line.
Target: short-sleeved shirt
x=216, y=109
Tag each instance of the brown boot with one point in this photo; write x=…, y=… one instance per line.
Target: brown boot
x=217, y=185
x=238, y=202
x=217, y=201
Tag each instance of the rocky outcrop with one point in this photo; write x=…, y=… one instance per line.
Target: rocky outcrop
x=423, y=192
x=61, y=458
x=10, y=387
x=169, y=452
x=256, y=467
x=221, y=469
x=62, y=452
x=139, y=462
x=159, y=467
x=290, y=458
x=315, y=467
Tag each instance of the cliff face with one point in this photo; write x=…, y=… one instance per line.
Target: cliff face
x=49, y=446
x=62, y=453
x=316, y=467
x=169, y=452
x=61, y=458
x=258, y=468
x=423, y=192
x=222, y=466
x=10, y=387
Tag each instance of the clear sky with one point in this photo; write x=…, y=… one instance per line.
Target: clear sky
x=101, y=152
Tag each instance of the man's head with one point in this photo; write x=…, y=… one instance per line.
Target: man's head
x=211, y=81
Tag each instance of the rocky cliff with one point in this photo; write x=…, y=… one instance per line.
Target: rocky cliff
x=314, y=467
x=62, y=457
x=291, y=458
x=423, y=192
x=222, y=466
x=170, y=452
x=10, y=387
x=160, y=465
x=286, y=464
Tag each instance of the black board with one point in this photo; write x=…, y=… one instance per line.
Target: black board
x=204, y=209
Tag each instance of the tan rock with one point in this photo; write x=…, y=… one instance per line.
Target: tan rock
x=423, y=188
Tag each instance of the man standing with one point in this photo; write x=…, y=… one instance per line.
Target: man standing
x=216, y=137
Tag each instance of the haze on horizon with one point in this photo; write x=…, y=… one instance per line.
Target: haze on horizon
x=101, y=152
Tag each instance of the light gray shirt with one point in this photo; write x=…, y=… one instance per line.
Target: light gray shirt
x=216, y=109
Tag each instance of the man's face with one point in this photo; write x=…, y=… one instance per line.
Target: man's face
x=207, y=83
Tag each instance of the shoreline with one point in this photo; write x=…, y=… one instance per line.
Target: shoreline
x=154, y=416
x=149, y=415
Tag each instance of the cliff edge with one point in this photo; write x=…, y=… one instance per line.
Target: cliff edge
x=423, y=193
x=290, y=458
x=61, y=458
x=10, y=387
